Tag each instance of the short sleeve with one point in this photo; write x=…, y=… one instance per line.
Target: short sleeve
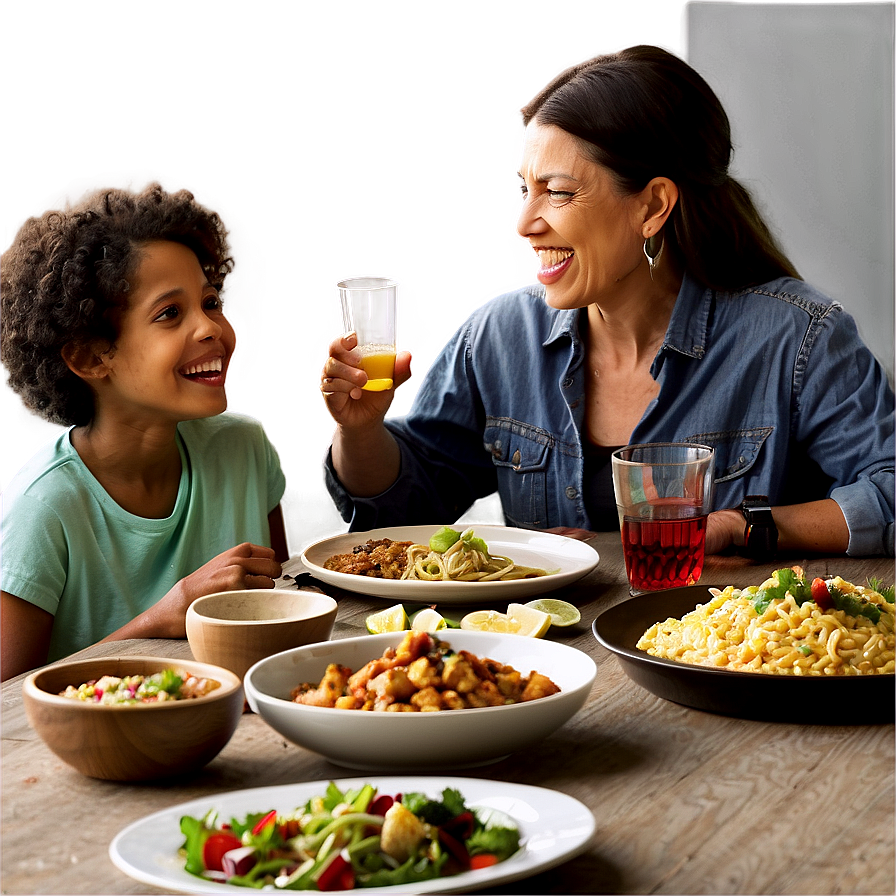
x=33, y=553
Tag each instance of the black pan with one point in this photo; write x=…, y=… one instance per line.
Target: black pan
x=836, y=700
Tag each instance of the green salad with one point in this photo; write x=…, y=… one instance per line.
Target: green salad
x=344, y=840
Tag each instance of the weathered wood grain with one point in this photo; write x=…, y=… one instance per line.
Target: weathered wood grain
x=685, y=801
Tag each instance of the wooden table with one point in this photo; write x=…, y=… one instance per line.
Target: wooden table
x=685, y=801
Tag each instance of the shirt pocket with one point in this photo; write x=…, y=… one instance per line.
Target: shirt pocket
x=521, y=454
x=736, y=451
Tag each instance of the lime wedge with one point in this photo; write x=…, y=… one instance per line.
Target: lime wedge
x=395, y=619
x=562, y=613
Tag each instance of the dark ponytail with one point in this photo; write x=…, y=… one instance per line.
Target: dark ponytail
x=644, y=113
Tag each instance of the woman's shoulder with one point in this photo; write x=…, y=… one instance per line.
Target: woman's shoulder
x=788, y=293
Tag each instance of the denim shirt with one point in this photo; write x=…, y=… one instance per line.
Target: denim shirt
x=775, y=378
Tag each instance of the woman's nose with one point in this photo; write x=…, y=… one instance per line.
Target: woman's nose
x=529, y=221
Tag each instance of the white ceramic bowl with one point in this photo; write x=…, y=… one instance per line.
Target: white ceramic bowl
x=419, y=740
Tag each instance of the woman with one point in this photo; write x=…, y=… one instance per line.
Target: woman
x=666, y=312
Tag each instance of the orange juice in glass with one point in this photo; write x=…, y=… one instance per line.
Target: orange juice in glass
x=378, y=362
x=368, y=310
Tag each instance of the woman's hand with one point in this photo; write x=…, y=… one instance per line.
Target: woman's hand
x=242, y=567
x=342, y=378
x=578, y=534
x=724, y=528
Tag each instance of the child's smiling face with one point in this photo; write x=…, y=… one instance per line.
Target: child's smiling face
x=174, y=343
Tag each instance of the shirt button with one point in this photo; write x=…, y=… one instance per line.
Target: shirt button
x=571, y=492
x=568, y=382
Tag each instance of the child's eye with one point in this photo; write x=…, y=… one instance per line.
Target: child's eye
x=169, y=313
x=214, y=302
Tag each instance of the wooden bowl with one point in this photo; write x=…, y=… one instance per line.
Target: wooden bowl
x=236, y=629
x=132, y=742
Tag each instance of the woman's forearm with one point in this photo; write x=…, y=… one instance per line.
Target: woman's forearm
x=367, y=461
x=816, y=526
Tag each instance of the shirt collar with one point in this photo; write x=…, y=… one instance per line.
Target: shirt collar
x=687, y=332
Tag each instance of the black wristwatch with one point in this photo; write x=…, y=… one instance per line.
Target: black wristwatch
x=760, y=531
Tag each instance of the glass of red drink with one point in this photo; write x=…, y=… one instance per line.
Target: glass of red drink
x=663, y=494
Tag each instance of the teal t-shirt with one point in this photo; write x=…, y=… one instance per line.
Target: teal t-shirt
x=71, y=550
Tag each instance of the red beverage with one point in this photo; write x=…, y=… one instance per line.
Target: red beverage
x=666, y=552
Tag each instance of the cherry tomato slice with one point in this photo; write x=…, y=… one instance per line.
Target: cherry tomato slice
x=338, y=875
x=821, y=595
x=214, y=848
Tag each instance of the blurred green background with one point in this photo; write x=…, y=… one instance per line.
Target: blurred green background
x=335, y=138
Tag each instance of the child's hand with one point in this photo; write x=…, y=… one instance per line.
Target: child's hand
x=245, y=566
x=341, y=381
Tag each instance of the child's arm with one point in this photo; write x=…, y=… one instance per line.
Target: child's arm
x=24, y=635
x=243, y=567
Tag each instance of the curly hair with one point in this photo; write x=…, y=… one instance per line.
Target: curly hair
x=65, y=281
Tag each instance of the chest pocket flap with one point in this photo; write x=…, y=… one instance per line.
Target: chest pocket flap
x=521, y=447
x=735, y=451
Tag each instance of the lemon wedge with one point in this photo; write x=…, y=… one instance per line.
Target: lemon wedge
x=518, y=620
x=561, y=612
x=487, y=621
x=428, y=620
x=395, y=619
x=531, y=622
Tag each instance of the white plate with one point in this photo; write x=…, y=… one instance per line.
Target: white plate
x=527, y=547
x=554, y=827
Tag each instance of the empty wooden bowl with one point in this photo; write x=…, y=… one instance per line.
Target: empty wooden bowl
x=132, y=742
x=236, y=629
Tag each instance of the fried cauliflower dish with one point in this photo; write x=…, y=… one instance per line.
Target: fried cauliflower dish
x=423, y=674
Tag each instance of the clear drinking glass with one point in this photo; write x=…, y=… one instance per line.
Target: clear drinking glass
x=663, y=495
x=368, y=308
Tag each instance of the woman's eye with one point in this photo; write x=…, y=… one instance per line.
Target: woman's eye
x=524, y=190
x=560, y=195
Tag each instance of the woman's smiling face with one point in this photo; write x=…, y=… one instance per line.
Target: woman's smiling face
x=587, y=235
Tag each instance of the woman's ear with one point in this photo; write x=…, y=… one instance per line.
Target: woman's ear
x=84, y=361
x=659, y=198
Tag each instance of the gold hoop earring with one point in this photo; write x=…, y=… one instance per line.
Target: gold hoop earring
x=653, y=248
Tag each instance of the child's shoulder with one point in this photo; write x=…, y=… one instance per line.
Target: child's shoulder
x=54, y=476
x=234, y=429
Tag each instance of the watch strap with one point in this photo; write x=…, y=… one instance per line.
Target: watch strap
x=760, y=531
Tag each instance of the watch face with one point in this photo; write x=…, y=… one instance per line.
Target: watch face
x=760, y=533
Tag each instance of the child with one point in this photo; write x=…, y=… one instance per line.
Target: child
x=111, y=323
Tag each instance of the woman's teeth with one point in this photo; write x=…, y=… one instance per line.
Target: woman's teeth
x=552, y=257
x=213, y=366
